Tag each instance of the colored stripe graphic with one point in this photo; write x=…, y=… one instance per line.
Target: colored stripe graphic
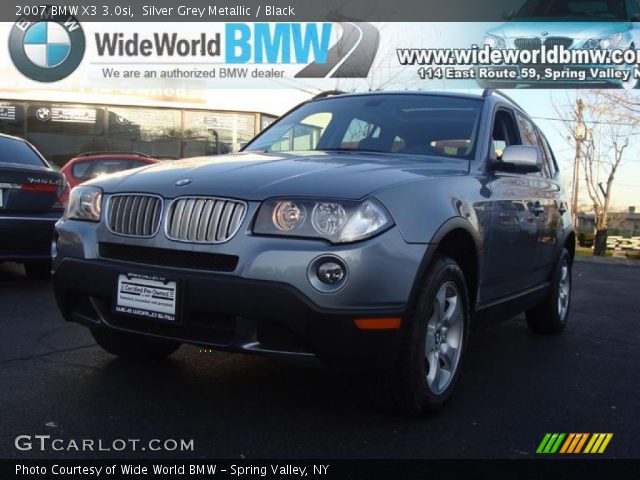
x=543, y=443
x=550, y=443
x=573, y=443
x=567, y=443
x=581, y=443
x=598, y=443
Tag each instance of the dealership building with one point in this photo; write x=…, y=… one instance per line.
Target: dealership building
x=63, y=129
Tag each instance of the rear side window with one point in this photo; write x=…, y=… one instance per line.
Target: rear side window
x=529, y=135
x=81, y=169
x=17, y=151
x=548, y=156
x=138, y=164
x=107, y=166
x=528, y=132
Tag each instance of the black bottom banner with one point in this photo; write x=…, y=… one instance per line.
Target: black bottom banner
x=315, y=469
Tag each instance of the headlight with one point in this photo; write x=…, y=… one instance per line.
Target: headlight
x=85, y=203
x=338, y=221
x=604, y=43
x=494, y=41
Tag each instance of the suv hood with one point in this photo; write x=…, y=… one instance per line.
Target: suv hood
x=258, y=176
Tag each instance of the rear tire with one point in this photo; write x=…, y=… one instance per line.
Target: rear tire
x=133, y=347
x=550, y=315
x=38, y=270
x=434, y=340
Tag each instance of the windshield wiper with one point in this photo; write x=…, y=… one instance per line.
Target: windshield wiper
x=349, y=150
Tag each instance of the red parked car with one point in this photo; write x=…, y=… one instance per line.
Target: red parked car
x=87, y=166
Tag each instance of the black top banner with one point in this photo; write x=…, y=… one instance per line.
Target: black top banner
x=304, y=10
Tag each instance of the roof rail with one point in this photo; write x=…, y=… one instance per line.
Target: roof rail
x=328, y=93
x=113, y=152
x=491, y=91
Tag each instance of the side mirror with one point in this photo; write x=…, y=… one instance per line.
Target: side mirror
x=508, y=14
x=519, y=159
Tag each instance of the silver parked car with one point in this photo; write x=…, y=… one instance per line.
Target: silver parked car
x=365, y=231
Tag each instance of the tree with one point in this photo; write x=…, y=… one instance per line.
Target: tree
x=608, y=127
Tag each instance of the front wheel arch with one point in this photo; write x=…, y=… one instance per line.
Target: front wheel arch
x=456, y=239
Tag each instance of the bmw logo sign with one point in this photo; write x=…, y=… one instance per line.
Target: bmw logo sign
x=47, y=48
x=43, y=114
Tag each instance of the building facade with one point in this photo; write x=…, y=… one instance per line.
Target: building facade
x=62, y=130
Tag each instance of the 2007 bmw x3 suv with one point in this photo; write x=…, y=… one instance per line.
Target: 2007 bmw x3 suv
x=362, y=230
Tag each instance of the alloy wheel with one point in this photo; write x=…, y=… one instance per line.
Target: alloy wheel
x=564, y=290
x=443, y=341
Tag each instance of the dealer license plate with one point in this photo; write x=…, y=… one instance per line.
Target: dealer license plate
x=146, y=296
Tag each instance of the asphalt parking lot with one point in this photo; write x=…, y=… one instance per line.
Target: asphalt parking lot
x=515, y=387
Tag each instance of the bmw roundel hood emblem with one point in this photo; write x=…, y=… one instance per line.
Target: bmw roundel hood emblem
x=183, y=182
x=46, y=48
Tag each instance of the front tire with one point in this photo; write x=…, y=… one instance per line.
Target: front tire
x=550, y=315
x=131, y=346
x=434, y=340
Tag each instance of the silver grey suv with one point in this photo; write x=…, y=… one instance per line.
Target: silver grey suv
x=363, y=231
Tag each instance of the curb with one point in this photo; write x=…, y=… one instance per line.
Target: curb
x=607, y=260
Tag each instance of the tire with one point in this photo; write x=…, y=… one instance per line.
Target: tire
x=133, y=347
x=551, y=315
x=412, y=386
x=38, y=270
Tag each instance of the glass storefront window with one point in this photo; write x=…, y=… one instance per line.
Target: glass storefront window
x=234, y=129
x=156, y=132
x=266, y=120
x=61, y=132
x=11, y=118
x=200, y=137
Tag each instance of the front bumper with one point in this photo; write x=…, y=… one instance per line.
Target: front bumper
x=266, y=305
x=25, y=237
x=232, y=314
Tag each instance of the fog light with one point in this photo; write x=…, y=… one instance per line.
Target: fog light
x=328, y=273
x=331, y=273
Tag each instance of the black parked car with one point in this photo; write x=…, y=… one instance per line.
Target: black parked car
x=29, y=190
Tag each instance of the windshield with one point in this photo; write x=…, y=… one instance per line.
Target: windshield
x=16, y=151
x=387, y=123
x=574, y=9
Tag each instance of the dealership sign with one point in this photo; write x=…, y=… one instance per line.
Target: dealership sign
x=258, y=44
x=46, y=47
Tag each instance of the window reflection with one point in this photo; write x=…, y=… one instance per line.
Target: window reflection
x=62, y=131
x=152, y=131
x=11, y=118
